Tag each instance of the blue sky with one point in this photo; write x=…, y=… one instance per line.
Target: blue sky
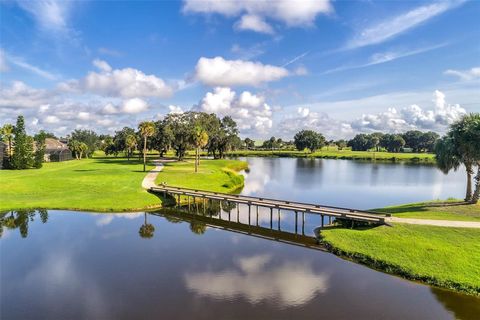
x=338, y=67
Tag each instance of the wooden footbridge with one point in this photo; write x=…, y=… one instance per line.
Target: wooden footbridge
x=327, y=211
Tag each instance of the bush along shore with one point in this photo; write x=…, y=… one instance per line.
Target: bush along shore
x=422, y=158
x=441, y=256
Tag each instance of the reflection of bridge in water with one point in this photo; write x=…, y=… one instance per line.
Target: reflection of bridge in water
x=228, y=216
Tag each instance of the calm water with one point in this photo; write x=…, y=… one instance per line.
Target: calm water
x=347, y=183
x=199, y=263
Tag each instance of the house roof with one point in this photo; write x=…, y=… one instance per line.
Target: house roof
x=54, y=144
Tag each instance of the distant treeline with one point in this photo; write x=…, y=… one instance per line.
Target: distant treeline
x=414, y=140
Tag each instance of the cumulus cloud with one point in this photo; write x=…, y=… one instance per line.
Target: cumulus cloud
x=135, y=105
x=250, y=111
x=254, y=23
x=412, y=117
x=466, y=75
x=125, y=83
x=304, y=118
x=220, y=72
x=253, y=14
x=20, y=95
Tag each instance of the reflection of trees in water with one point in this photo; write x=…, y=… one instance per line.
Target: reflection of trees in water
x=462, y=306
x=147, y=230
x=210, y=207
x=198, y=227
x=20, y=219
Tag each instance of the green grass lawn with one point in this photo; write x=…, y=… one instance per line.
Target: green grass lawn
x=436, y=210
x=213, y=175
x=87, y=184
x=106, y=184
x=332, y=153
x=447, y=257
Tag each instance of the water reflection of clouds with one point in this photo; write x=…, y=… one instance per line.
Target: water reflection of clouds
x=258, y=278
x=57, y=274
x=107, y=218
x=256, y=181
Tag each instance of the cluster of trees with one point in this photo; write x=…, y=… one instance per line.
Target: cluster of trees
x=461, y=146
x=178, y=132
x=24, y=151
x=416, y=140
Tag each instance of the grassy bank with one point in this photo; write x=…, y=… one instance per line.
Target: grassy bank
x=436, y=210
x=341, y=154
x=441, y=256
x=103, y=184
x=212, y=175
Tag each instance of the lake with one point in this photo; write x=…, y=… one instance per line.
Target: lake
x=199, y=263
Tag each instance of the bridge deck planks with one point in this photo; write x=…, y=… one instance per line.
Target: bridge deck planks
x=344, y=213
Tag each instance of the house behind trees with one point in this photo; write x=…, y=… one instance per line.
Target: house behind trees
x=56, y=151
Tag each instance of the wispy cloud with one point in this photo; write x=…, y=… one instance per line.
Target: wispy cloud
x=394, y=26
x=51, y=15
x=466, y=75
x=296, y=58
x=384, y=57
x=20, y=62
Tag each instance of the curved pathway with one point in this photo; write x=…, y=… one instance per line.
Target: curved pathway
x=438, y=223
x=149, y=180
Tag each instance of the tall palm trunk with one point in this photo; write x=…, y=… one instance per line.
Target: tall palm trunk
x=476, y=194
x=196, y=159
x=144, y=152
x=10, y=148
x=468, y=194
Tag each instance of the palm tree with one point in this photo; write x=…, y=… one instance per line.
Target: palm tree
x=131, y=144
x=147, y=129
x=448, y=158
x=7, y=132
x=200, y=140
x=461, y=145
x=146, y=230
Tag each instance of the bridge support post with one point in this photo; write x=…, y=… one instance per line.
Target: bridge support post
x=329, y=219
x=257, y=217
x=303, y=223
x=271, y=218
x=322, y=220
x=238, y=212
x=249, y=209
x=296, y=221
x=279, y=218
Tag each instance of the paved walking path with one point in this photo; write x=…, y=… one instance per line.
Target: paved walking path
x=439, y=223
x=149, y=180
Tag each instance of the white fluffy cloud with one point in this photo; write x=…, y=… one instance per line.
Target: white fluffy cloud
x=253, y=14
x=220, y=72
x=254, y=23
x=472, y=74
x=412, y=117
x=125, y=83
x=129, y=106
x=20, y=95
x=135, y=105
x=393, y=120
x=250, y=111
